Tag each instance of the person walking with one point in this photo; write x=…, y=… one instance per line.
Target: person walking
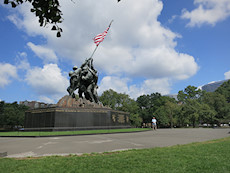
x=154, y=123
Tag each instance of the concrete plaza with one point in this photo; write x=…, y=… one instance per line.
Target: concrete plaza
x=65, y=145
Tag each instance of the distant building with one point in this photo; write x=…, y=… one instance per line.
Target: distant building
x=35, y=104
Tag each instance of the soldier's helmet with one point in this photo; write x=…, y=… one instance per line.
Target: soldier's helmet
x=70, y=73
x=75, y=67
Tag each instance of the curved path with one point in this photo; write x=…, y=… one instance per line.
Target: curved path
x=45, y=146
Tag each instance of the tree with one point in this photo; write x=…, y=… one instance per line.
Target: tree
x=162, y=117
x=191, y=110
x=12, y=114
x=135, y=120
x=207, y=114
x=204, y=107
x=122, y=102
x=48, y=11
x=218, y=103
x=118, y=101
x=224, y=90
x=130, y=105
x=110, y=98
x=2, y=116
x=171, y=109
x=182, y=118
x=166, y=114
x=149, y=104
x=190, y=92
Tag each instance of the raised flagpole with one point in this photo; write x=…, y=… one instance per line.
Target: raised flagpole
x=94, y=50
x=99, y=38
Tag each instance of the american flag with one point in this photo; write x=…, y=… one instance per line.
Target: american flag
x=100, y=37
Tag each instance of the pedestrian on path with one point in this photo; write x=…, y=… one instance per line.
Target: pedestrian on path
x=154, y=123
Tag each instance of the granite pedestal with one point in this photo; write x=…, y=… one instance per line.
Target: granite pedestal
x=68, y=115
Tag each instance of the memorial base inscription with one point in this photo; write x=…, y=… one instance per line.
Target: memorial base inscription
x=70, y=114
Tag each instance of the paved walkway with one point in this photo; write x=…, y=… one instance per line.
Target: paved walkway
x=45, y=146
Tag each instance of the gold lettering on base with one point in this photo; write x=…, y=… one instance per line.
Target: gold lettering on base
x=121, y=118
x=114, y=118
x=127, y=118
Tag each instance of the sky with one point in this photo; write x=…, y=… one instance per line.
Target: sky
x=152, y=46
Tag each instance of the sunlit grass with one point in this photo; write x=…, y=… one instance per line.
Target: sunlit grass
x=57, y=133
x=205, y=157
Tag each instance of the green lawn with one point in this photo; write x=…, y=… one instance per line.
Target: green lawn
x=42, y=133
x=206, y=157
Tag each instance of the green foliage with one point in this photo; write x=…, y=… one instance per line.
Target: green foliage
x=198, y=106
x=207, y=114
x=12, y=114
x=154, y=104
x=190, y=92
x=191, y=111
x=148, y=104
x=182, y=118
x=224, y=90
x=122, y=102
x=2, y=116
x=218, y=104
x=166, y=114
x=204, y=107
x=162, y=117
x=111, y=99
x=136, y=120
x=195, y=107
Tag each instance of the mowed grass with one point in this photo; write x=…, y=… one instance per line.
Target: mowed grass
x=79, y=132
x=206, y=157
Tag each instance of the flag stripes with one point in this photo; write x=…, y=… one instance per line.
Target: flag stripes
x=100, y=37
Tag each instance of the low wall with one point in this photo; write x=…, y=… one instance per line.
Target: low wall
x=56, y=119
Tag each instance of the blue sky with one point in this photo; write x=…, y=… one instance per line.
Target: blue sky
x=152, y=46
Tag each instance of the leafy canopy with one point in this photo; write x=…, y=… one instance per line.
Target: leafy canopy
x=224, y=90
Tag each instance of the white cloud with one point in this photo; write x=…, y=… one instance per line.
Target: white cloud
x=172, y=18
x=162, y=63
x=207, y=12
x=46, y=54
x=46, y=99
x=47, y=82
x=156, y=85
x=137, y=45
x=8, y=73
x=114, y=83
x=22, y=61
x=121, y=85
x=25, y=20
x=227, y=75
x=23, y=64
x=150, y=86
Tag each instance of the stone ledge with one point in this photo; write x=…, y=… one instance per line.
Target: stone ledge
x=69, y=102
x=3, y=154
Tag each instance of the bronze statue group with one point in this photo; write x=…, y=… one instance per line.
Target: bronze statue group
x=85, y=80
